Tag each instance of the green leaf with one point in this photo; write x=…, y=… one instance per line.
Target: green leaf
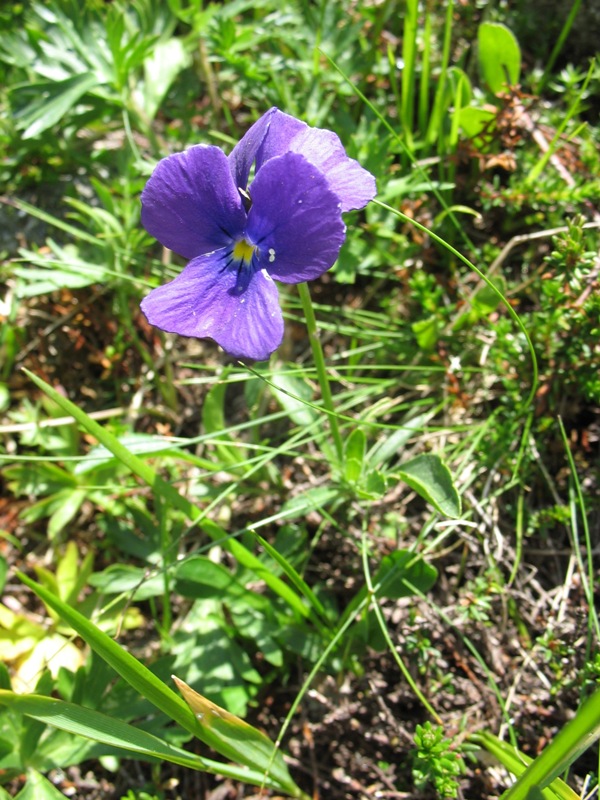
x=399, y=575
x=296, y=579
x=146, y=443
x=401, y=572
x=374, y=486
x=354, y=455
x=535, y=794
x=477, y=121
x=166, y=61
x=38, y=788
x=3, y=573
x=87, y=722
x=293, y=390
x=37, y=479
x=230, y=734
x=312, y=499
x=142, y=679
x=35, y=282
x=499, y=56
x=426, y=332
x=53, y=99
x=91, y=724
x=577, y=736
x=199, y=577
x=389, y=445
x=517, y=762
x=458, y=87
x=430, y=477
x=130, y=580
x=71, y=502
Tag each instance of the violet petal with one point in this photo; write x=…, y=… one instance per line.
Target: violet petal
x=190, y=203
x=276, y=133
x=202, y=301
x=353, y=184
x=295, y=219
x=244, y=153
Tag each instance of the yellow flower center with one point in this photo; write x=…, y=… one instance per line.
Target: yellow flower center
x=243, y=251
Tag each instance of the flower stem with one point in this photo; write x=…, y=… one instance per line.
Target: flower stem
x=317, y=350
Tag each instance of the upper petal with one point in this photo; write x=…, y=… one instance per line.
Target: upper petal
x=191, y=204
x=295, y=219
x=202, y=301
x=281, y=132
x=276, y=133
x=353, y=184
x=244, y=153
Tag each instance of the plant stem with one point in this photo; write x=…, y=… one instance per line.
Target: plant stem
x=317, y=350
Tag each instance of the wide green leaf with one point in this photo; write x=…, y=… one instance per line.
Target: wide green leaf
x=499, y=56
x=401, y=573
x=430, y=477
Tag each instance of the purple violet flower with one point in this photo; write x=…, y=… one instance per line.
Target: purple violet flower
x=286, y=225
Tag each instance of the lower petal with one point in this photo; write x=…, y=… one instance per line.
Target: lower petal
x=203, y=302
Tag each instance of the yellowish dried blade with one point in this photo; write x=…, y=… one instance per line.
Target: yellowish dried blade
x=236, y=739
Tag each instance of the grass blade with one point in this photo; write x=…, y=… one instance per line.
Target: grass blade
x=231, y=734
x=575, y=738
x=94, y=725
x=142, y=679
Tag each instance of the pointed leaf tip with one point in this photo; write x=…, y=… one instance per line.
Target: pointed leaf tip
x=236, y=739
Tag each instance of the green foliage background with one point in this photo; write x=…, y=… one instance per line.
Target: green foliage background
x=196, y=510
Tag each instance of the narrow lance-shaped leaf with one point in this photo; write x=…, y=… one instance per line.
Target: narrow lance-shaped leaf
x=99, y=727
x=235, y=738
x=144, y=681
x=576, y=737
x=58, y=97
x=517, y=762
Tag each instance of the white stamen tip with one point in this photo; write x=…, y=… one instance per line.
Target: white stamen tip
x=271, y=255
